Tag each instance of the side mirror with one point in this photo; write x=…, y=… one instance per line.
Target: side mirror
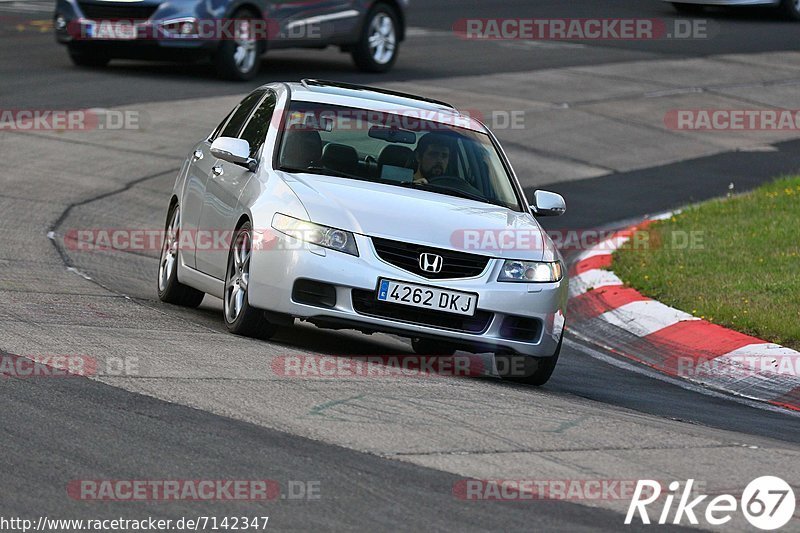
x=236, y=151
x=548, y=204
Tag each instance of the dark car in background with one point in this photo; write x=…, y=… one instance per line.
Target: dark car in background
x=232, y=33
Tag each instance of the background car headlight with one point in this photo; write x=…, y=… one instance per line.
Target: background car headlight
x=331, y=238
x=531, y=271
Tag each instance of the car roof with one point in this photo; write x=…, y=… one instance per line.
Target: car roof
x=384, y=100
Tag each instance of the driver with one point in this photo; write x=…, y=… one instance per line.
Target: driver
x=433, y=155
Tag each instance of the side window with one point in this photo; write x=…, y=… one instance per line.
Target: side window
x=221, y=125
x=241, y=113
x=255, y=132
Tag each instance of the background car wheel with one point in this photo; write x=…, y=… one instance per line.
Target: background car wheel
x=377, y=49
x=528, y=370
x=688, y=9
x=431, y=347
x=239, y=59
x=791, y=8
x=88, y=58
x=170, y=290
x=240, y=318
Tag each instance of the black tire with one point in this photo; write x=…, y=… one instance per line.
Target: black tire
x=246, y=320
x=431, y=347
x=170, y=290
x=225, y=60
x=791, y=9
x=688, y=9
x=88, y=58
x=528, y=370
x=365, y=58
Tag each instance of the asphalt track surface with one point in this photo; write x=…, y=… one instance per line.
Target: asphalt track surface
x=58, y=430
x=34, y=71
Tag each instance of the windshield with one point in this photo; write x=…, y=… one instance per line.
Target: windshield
x=397, y=150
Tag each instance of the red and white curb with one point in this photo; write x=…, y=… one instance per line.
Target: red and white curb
x=606, y=312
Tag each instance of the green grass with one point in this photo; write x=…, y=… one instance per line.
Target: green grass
x=745, y=272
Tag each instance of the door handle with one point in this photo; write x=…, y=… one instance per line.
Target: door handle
x=217, y=171
x=198, y=155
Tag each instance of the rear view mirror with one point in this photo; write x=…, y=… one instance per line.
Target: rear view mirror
x=236, y=151
x=392, y=135
x=548, y=204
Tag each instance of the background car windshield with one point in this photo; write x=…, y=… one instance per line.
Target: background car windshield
x=407, y=149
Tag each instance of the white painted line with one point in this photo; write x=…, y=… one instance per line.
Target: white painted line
x=612, y=244
x=678, y=382
x=763, y=367
x=590, y=280
x=664, y=216
x=594, y=252
x=425, y=32
x=766, y=349
x=645, y=317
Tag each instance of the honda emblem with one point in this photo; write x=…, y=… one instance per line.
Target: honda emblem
x=431, y=263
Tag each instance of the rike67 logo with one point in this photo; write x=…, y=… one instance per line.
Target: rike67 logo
x=768, y=503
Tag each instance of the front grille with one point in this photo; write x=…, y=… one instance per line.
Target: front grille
x=106, y=11
x=365, y=303
x=406, y=256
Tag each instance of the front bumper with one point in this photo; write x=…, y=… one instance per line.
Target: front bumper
x=275, y=269
x=73, y=27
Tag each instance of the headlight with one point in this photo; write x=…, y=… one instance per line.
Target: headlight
x=331, y=238
x=531, y=271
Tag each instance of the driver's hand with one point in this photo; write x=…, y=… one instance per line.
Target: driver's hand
x=421, y=180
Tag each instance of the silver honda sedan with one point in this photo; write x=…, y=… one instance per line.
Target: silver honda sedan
x=359, y=208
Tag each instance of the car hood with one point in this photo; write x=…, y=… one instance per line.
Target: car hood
x=421, y=217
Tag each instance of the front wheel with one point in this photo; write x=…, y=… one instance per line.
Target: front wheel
x=170, y=290
x=379, y=45
x=528, y=370
x=240, y=317
x=791, y=8
x=239, y=59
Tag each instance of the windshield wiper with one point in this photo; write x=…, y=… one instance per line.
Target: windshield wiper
x=454, y=192
x=321, y=171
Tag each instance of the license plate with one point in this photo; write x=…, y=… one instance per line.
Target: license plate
x=410, y=294
x=112, y=30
